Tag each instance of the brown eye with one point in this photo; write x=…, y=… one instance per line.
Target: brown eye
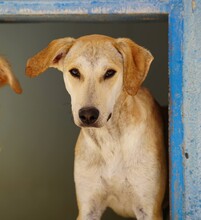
x=109, y=74
x=75, y=73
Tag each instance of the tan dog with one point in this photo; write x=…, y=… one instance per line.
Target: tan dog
x=119, y=156
x=7, y=77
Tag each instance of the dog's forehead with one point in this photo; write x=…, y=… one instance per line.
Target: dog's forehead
x=93, y=51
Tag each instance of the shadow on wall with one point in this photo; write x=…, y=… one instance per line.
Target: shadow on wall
x=37, y=133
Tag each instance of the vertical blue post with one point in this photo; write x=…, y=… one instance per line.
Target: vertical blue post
x=177, y=189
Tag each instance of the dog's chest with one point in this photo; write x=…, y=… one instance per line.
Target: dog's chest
x=120, y=152
x=113, y=158
x=117, y=149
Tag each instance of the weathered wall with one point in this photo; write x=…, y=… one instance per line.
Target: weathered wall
x=191, y=108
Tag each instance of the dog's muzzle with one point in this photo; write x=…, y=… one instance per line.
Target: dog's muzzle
x=88, y=115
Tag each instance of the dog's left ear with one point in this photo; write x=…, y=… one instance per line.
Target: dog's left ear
x=136, y=60
x=7, y=77
x=52, y=56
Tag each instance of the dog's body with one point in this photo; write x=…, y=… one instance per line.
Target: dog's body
x=7, y=77
x=119, y=165
x=120, y=155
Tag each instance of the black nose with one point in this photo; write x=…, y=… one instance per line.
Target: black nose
x=88, y=115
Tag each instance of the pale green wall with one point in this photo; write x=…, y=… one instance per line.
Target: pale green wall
x=37, y=134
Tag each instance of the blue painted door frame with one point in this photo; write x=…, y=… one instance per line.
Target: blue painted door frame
x=184, y=17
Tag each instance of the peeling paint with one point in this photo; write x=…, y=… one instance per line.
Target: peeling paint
x=82, y=7
x=192, y=106
x=176, y=105
x=193, y=5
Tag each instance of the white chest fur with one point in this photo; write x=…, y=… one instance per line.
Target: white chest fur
x=111, y=161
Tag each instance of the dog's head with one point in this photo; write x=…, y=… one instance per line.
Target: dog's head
x=96, y=69
x=7, y=77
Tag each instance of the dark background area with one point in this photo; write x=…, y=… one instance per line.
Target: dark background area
x=37, y=133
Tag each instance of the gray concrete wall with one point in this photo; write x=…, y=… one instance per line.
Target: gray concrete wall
x=37, y=133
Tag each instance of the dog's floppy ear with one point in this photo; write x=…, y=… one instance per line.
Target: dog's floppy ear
x=51, y=56
x=7, y=77
x=137, y=61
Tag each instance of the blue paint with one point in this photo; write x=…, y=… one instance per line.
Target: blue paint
x=176, y=108
x=86, y=7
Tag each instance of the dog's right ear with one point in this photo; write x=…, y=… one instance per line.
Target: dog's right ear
x=52, y=56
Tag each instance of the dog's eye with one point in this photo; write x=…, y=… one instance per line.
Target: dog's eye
x=75, y=73
x=109, y=73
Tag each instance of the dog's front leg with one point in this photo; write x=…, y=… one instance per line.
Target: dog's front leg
x=149, y=213
x=89, y=214
x=90, y=209
x=91, y=197
x=150, y=217
x=90, y=190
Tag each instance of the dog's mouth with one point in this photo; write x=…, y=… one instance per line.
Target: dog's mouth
x=110, y=115
x=95, y=125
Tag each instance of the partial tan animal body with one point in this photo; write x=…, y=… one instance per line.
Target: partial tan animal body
x=120, y=157
x=7, y=77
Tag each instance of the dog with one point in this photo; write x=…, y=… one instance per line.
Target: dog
x=7, y=77
x=120, y=159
